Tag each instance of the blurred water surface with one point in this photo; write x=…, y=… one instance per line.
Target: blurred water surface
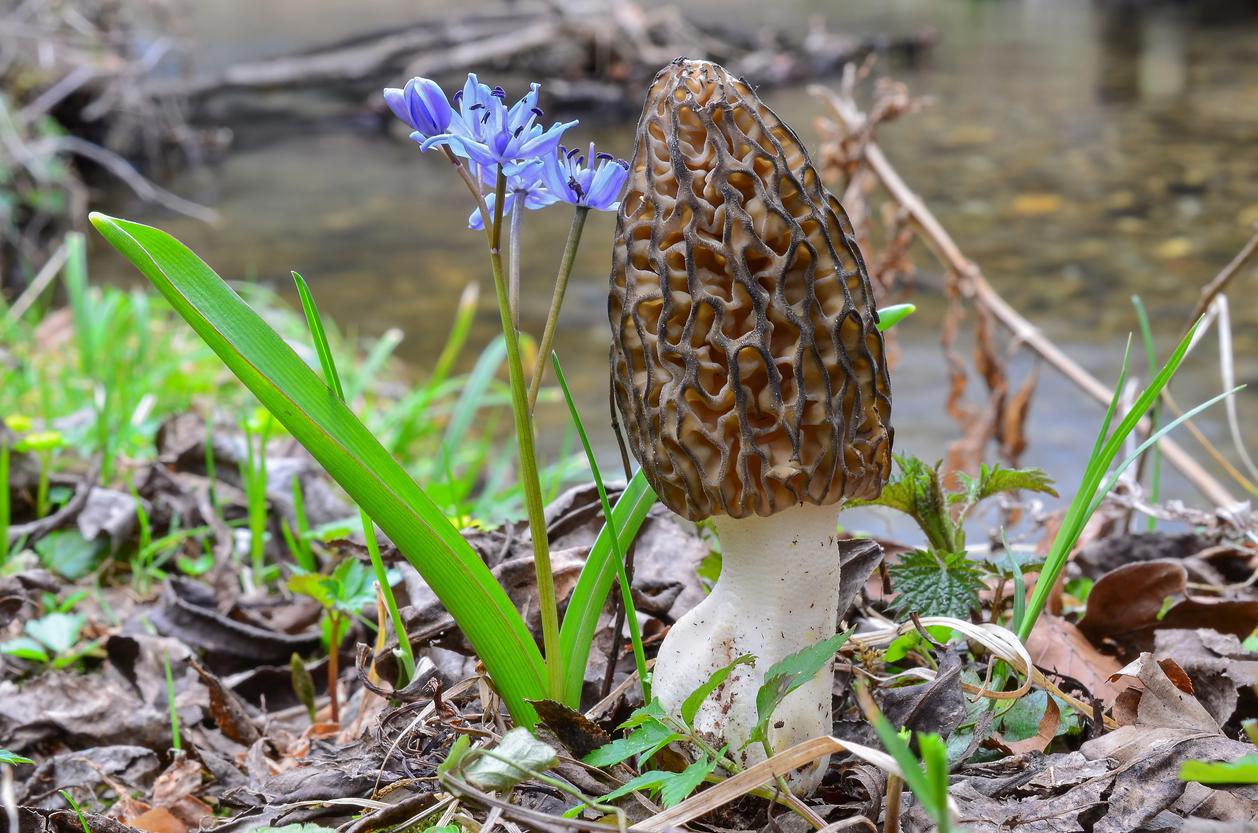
x=1079, y=152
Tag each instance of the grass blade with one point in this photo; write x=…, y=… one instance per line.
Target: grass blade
x=315, y=324
x=314, y=415
x=618, y=552
x=586, y=602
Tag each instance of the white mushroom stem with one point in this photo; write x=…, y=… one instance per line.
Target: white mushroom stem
x=778, y=592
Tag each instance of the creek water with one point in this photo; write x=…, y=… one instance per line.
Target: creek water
x=1080, y=152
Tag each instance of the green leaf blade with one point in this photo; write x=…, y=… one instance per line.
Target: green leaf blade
x=316, y=417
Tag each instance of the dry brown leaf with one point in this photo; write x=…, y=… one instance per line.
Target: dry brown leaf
x=1167, y=699
x=1043, y=736
x=1130, y=597
x=158, y=820
x=1058, y=647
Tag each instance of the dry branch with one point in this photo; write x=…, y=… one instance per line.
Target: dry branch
x=976, y=286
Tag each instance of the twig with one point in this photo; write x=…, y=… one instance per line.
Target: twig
x=946, y=249
x=36, y=287
x=895, y=788
x=1211, y=290
x=125, y=171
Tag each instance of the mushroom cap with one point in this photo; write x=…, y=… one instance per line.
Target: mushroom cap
x=746, y=361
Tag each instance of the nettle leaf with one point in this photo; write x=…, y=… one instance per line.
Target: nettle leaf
x=646, y=740
x=788, y=674
x=690, y=707
x=516, y=758
x=917, y=492
x=947, y=585
x=995, y=480
x=676, y=789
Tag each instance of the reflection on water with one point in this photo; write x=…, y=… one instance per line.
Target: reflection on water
x=1079, y=154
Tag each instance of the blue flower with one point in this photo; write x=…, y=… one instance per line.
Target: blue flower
x=422, y=105
x=490, y=134
x=571, y=178
x=524, y=184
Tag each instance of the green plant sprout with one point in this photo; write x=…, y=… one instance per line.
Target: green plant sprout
x=54, y=640
x=44, y=445
x=175, y=742
x=343, y=595
x=940, y=580
x=1096, y=485
x=650, y=728
x=253, y=475
x=304, y=404
x=315, y=323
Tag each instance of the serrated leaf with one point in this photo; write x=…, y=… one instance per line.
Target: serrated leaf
x=676, y=789
x=690, y=706
x=995, y=480
x=516, y=757
x=916, y=491
x=931, y=586
x=1243, y=770
x=649, y=737
x=791, y=672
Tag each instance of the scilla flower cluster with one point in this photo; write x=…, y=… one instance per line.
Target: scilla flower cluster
x=492, y=137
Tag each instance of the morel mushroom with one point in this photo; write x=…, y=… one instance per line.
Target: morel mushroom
x=749, y=372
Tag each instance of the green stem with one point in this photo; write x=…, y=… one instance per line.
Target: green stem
x=556, y=301
x=513, y=266
x=395, y=615
x=4, y=501
x=41, y=490
x=528, y=460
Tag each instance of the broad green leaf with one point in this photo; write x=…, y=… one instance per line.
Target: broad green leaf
x=930, y=584
x=316, y=417
x=69, y=554
x=690, y=706
x=518, y=756
x=585, y=606
x=676, y=789
x=791, y=672
x=1243, y=770
x=649, y=737
x=57, y=631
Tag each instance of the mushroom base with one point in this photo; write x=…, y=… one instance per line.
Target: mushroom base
x=778, y=593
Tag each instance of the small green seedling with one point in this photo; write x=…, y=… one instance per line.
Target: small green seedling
x=54, y=641
x=650, y=728
x=44, y=445
x=940, y=580
x=343, y=595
